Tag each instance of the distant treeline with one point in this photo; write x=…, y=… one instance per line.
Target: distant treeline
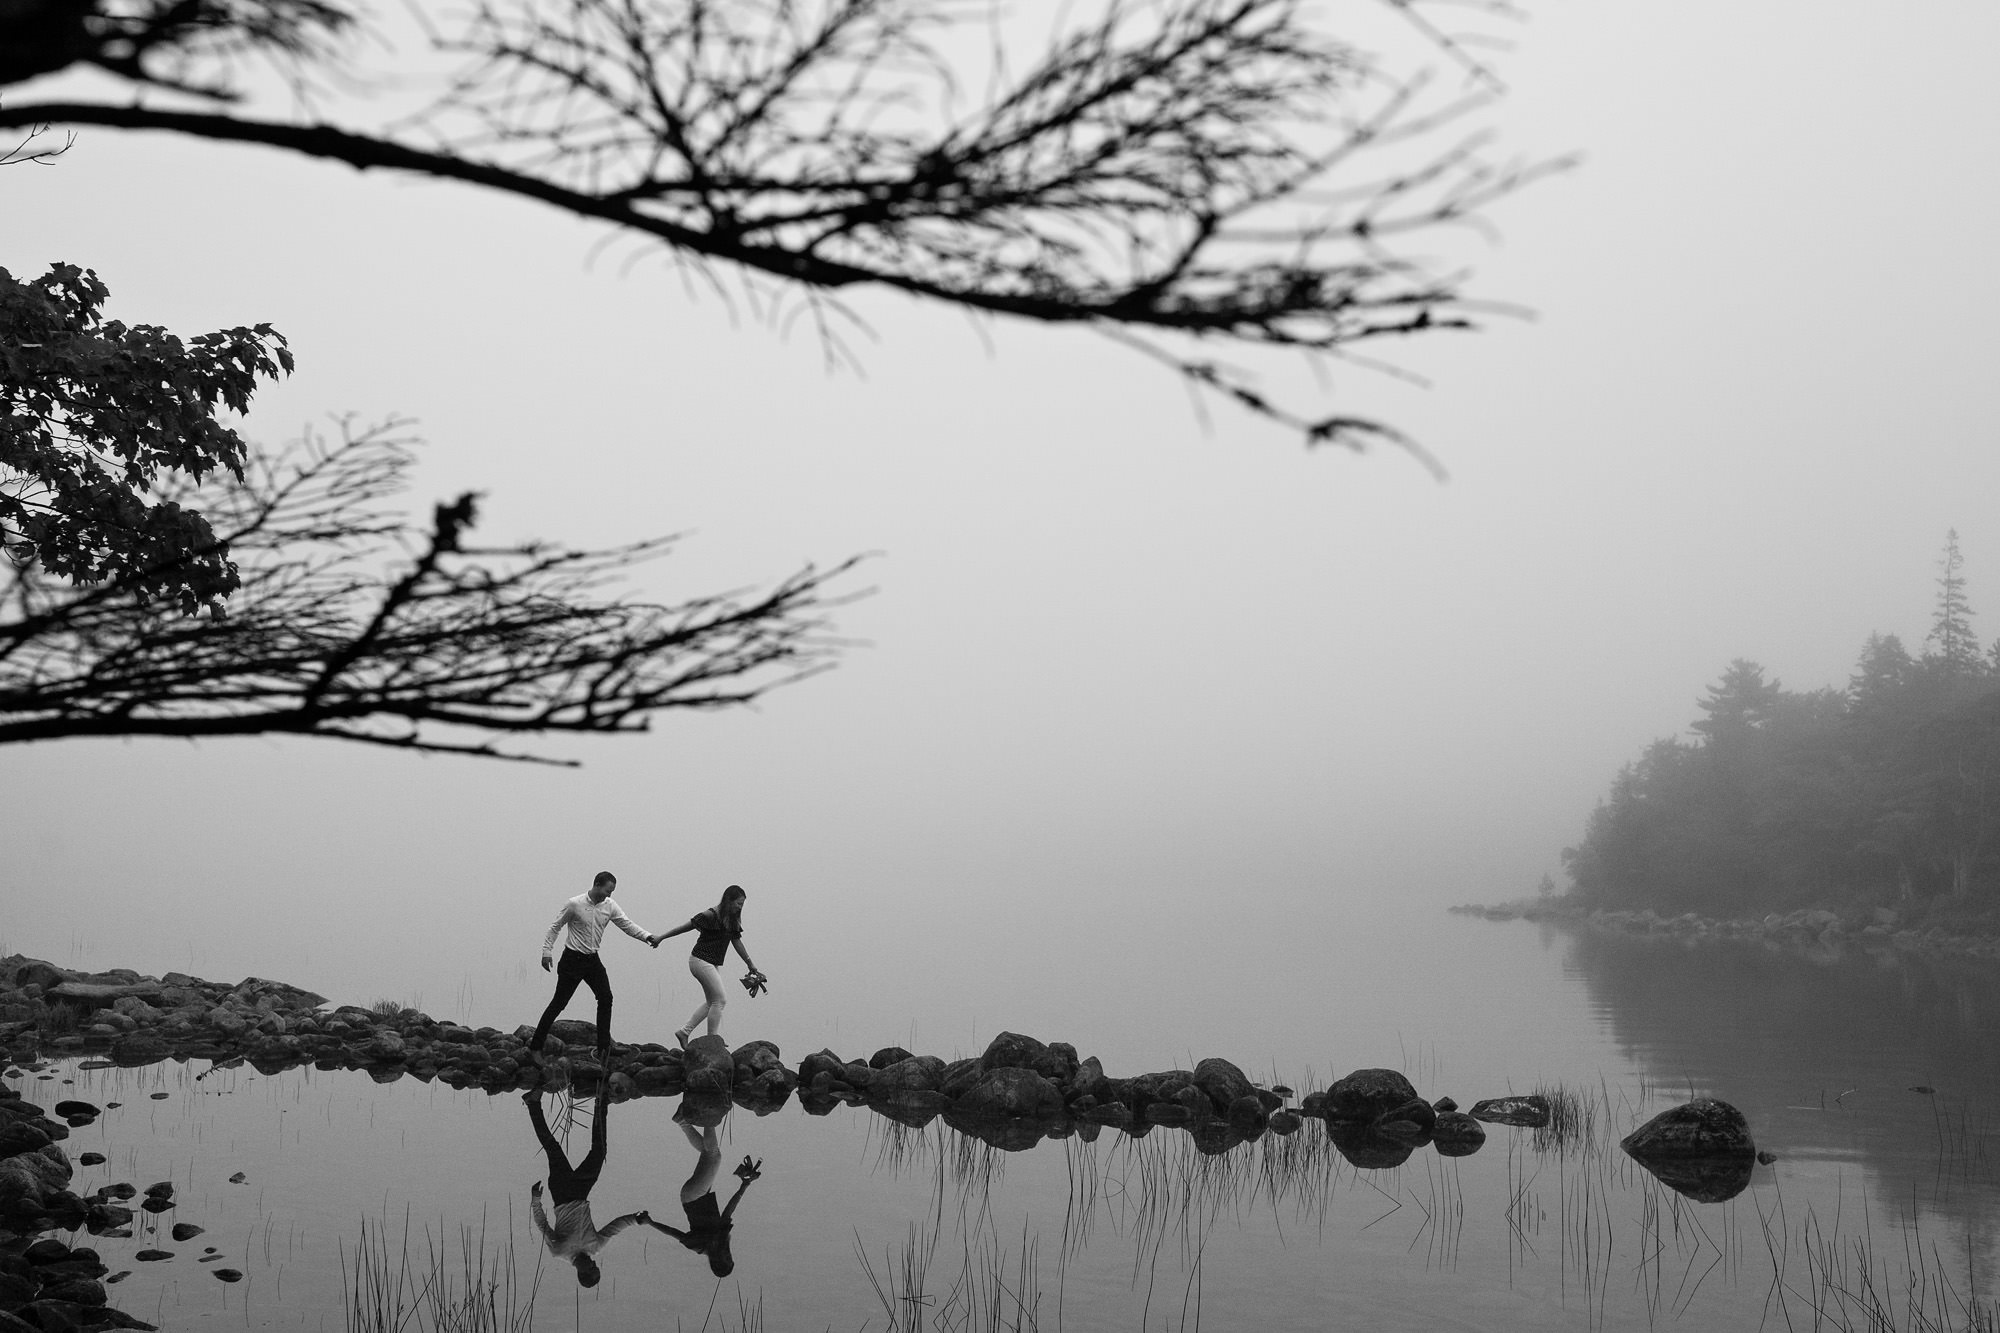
x=1884, y=793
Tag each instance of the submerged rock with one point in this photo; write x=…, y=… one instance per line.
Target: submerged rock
x=1530, y=1112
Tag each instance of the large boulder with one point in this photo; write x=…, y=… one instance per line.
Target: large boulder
x=101, y=995
x=226, y=1022
x=1703, y=1127
x=279, y=992
x=918, y=1073
x=18, y=971
x=888, y=1055
x=760, y=1080
x=1143, y=1090
x=1364, y=1095
x=708, y=1067
x=820, y=1060
x=754, y=1058
x=574, y=1031
x=1224, y=1083
x=1700, y=1148
x=1012, y=1092
x=1089, y=1081
x=19, y=1136
x=1012, y=1050
x=958, y=1076
x=29, y=1179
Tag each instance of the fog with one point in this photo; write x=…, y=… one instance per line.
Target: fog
x=1149, y=701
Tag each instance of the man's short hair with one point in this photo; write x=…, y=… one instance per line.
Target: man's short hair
x=604, y=877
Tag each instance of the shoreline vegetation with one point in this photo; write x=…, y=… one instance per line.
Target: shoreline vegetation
x=1867, y=813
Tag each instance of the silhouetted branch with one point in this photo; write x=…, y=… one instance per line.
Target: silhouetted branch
x=319, y=640
x=1178, y=173
x=27, y=151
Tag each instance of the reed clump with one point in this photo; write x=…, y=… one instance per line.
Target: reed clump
x=469, y=1287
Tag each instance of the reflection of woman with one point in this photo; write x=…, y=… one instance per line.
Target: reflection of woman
x=572, y=1235
x=708, y=1225
x=720, y=926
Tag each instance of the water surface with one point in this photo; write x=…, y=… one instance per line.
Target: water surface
x=859, y=1222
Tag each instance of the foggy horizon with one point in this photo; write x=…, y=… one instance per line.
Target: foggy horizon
x=1122, y=651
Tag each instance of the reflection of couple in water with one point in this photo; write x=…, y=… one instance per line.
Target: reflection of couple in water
x=573, y=1235
x=708, y=1225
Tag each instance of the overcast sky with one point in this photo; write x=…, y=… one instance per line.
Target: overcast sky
x=1128, y=670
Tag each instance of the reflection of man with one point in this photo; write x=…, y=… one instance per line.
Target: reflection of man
x=572, y=1235
x=708, y=1225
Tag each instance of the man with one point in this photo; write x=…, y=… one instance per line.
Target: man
x=586, y=916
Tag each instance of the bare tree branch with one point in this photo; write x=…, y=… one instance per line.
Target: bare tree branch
x=1177, y=173
x=452, y=649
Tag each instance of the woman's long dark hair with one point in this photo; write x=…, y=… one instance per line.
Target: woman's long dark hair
x=730, y=910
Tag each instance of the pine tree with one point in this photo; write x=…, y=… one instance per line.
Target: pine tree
x=1737, y=704
x=1952, y=645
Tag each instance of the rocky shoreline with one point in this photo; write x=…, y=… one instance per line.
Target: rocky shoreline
x=1814, y=929
x=1013, y=1095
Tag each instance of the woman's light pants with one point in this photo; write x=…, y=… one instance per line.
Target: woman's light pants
x=711, y=1007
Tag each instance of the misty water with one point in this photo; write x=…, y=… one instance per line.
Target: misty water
x=857, y=1222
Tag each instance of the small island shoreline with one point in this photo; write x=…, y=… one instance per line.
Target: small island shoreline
x=1815, y=930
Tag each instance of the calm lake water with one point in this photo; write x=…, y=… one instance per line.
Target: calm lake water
x=859, y=1223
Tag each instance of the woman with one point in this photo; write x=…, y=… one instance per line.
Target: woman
x=720, y=926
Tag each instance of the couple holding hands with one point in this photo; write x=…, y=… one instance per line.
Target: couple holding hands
x=588, y=913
